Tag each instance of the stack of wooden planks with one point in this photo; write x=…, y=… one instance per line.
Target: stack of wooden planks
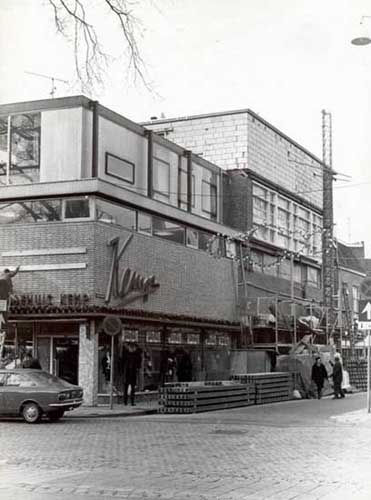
x=195, y=397
x=268, y=387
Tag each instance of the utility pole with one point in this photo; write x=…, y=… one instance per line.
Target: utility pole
x=328, y=256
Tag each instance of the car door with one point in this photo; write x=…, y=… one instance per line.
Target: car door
x=14, y=392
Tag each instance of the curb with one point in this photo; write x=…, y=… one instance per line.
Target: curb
x=137, y=413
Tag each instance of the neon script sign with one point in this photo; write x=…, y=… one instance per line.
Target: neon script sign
x=128, y=281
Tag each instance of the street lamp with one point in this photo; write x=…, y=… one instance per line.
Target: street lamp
x=363, y=39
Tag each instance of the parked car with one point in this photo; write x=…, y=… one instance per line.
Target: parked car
x=32, y=394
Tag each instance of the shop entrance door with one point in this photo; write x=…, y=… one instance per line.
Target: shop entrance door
x=60, y=356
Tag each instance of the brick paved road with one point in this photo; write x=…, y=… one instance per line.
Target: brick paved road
x=285, y=451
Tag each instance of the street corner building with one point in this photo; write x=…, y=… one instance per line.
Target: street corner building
x=108, y=217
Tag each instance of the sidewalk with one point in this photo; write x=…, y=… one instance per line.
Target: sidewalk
x=119, y=410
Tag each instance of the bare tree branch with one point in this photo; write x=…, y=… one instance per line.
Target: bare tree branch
x=90, y=60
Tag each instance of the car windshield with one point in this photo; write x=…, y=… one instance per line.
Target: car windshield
x=43, y=378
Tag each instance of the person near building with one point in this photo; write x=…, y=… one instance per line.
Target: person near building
x=337, y=377
x=30, y=362
x=319, y=375
x=132, y=360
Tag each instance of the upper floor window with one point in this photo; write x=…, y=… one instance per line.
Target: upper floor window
x=161, y=177
x=120, y=168
x=209, y=197
x=20, y=148
x=355, y=297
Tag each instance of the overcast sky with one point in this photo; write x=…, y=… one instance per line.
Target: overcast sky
x=285, y=59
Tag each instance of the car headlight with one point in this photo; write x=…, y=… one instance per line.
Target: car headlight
x=62, y=396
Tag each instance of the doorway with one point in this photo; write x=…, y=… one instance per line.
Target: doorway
x=59, y=355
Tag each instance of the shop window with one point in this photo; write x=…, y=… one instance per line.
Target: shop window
x=161, y=177
x=144, y=223
x=120, y=168
x=206, y=241
x=77, y=208
x=111, y=213
x=168, y=230
x=192, y=237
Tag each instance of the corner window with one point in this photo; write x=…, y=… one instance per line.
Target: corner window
x=144, y=223
x=161, y=177
x=168, y=230
x=120, y=168
x=77, y=208
x=111, y=213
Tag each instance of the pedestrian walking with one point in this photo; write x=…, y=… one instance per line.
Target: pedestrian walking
x=337, y=377
x=319, y=375
x=132, y=360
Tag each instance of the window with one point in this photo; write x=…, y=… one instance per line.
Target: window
x=24, y=148
x=355, y=297
x=191, y=237
x=230, y=249
x=205, y=241
x=19, y=380
x=168, y=230
x=144, y=223
x=2, y=378
x=209, y=198
x=120, y=168
x=76, y=208
x=111, y=213
x=313, y=276
x=31, y=211
x=161, y=177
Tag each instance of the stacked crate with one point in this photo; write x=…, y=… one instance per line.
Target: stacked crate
x=268, y=387
x=195, y=397
x=357, y=370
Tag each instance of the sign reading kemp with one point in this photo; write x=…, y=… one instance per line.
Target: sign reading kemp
x=129, y=282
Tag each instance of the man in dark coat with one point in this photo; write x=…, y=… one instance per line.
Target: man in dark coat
x=132, y=360
x=319, y=375
x=337, y=377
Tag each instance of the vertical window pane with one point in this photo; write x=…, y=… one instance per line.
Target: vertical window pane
x=144, y=223
x=161, y=177
x=192, y=238
x=3, y=147
x=25, y=148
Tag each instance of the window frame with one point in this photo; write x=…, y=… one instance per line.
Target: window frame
x=124, y=160
x=165, y=163
x=78, y=219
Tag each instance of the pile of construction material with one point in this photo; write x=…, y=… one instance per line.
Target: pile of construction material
x=195, y=397
x=268, y=387
x=357, y=369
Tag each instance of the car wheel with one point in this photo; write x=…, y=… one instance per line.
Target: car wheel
x=31, y=413
x=55, y=415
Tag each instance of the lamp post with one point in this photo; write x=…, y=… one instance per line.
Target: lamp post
x=360, y=42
